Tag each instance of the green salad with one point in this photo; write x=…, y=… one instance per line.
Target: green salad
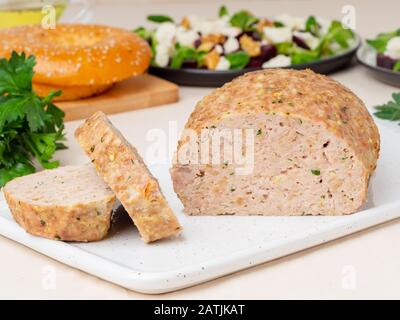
x=242, y=40
x=387, y=46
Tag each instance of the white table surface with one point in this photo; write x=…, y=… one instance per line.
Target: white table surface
x=364, y=265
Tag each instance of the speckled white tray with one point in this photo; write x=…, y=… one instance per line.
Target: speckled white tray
x=211, y=247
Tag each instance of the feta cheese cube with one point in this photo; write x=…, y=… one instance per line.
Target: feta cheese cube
x=165, y=33
x=324, y=25
x=231, y=31
x=278, y=61
x=223, y=64
x=393, y=48
x=213, y=26
x=162, y=55
x=231, y=45
x=186, y=37
x=219, y=49
x=335, y=47
x=294, y=23
x=278, y=35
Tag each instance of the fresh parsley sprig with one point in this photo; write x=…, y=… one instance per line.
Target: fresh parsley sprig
x=390, y=110
x=30, y=126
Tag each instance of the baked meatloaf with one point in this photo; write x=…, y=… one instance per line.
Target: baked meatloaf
x=122, y=168
x=315, y=147
x=69, y=203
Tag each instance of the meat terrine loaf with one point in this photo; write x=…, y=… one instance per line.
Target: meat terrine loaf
x=69, y=203
x=315, y=147
x=122, y=168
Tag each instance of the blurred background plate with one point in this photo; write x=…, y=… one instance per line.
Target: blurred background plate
x=366, y=55
x=211, y=78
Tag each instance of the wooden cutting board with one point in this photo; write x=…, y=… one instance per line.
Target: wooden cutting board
x=135, y=93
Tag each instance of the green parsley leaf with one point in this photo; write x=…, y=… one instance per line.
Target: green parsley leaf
x=17, y=170
x=11, y=109
x=43, y=146
x=17, y=65
x=35, y=114
x=390, y=110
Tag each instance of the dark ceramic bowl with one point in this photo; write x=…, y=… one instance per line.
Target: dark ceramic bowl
x=208, y=78
x=366, y=55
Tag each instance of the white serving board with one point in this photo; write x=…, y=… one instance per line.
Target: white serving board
x=212, y=247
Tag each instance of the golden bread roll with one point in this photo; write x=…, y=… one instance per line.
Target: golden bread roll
x=79, y=55
x=70, y=93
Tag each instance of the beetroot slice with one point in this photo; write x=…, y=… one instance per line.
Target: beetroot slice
x=256, y=36
x=267, y=52
x=385, y=61
x=301, y=43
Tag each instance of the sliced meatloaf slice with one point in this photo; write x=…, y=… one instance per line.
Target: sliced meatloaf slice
x=315, y=147
x=69, y=203
x=122, y=168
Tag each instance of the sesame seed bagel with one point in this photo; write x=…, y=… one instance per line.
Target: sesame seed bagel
x=79, y=55
x=70, y=93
